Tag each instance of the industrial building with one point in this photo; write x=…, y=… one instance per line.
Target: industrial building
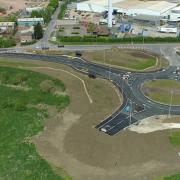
x=133, y=8
x=28, y=22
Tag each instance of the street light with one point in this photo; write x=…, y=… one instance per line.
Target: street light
x=170, y=105
x=109, y=68
x=130, y=116
x=104, y=56
x=122, y=85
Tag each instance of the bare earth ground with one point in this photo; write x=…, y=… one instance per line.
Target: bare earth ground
x=16, y=4
x=20, y=4
x=70, y=141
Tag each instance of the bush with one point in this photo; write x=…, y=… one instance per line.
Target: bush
x=75, y=33
x=4, y=77
x=76, y=27
x=7, y=104
x=19, y=79
x=47, y=86
x=47, y=12
x=7, y=42
x=28, y=43
x=20, y=106
x=63, y=10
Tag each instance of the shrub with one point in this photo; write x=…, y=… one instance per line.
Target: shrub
x=20, y=106
x=63, y=9
x=7, y=42
x=19, y=79
x=47, y=86
x=7, y=104
x=4, y=76
x=76, y=27
x=75, y=33
x=28, y=43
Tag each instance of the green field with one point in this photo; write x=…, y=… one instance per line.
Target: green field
x=175, y=138
x=20, y=93
x=160, y=90
x=172, y=177
x=127, y=59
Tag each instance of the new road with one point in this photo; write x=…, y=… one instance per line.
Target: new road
x=136, y=106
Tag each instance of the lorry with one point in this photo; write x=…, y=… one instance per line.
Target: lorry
x=167, y=29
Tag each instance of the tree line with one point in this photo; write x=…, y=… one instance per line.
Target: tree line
x=47, y=12
x=139, y=39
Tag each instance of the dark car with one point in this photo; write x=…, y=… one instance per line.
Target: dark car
x=60, y=45
x=45, y=48
x=78, y=53
x=93, y=76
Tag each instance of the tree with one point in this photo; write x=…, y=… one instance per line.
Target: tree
x=38, y=31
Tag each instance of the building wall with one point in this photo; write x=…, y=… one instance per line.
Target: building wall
x=26, y=38
x=174, y=17
x=29, y=23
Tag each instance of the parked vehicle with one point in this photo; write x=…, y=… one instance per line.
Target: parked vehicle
x=60, y=45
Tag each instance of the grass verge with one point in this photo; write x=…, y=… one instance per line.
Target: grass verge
x=128, y=59
x=21, y=120
x=160, y=90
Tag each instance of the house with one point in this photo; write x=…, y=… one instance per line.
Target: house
x=7, y=27
x=26, y=37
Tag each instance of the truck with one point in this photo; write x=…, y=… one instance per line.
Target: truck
x=167, y=29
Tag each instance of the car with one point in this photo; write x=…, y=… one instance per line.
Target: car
x=60, y=45
x=45, y=48
x=93, y=76
x=38, y=47
x=103, y=130
x=78, y=53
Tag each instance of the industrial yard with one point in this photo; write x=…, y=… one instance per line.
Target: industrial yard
x=129, y=19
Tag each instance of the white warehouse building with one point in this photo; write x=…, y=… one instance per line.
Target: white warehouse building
x=130, y=7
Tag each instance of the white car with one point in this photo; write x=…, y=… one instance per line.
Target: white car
x=103, y=130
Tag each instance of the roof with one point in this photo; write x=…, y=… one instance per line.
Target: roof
x=160, y=6
x=102, y=2
x=7, y=23
x=157, y=6
x=30, y=19
x=144, y=17
x=26, y=34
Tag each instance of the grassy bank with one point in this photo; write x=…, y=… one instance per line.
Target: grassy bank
x=21, y=92
x=127, y=59
x=160, y=90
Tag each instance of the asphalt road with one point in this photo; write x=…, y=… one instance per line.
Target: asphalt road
x=135, y=106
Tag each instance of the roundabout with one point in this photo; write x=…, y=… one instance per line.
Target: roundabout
x=135, y=107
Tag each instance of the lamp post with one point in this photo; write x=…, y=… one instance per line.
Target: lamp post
x=109, y=71
x=130, y=116
x=170, y=105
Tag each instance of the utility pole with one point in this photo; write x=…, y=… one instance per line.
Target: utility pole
x=170, y=105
